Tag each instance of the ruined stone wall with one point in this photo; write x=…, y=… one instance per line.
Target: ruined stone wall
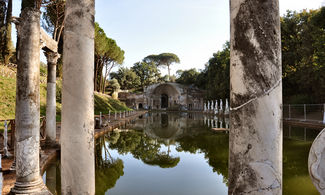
x=180, y=97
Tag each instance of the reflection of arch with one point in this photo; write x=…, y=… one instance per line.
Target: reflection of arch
x=140, y=106
x=164, y=101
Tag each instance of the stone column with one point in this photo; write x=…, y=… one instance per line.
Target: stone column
x=52, y=58
x=255, y=141
x=28, y=179
x=77, y=134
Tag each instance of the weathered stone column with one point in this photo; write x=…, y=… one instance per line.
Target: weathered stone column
x=28, y=178
x=52, y=58
x=77, y=134
x=255, y=141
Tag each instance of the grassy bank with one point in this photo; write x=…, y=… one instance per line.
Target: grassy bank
x=103, y=103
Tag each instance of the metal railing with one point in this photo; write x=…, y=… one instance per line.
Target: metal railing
x=103, y=120
x=304, y=112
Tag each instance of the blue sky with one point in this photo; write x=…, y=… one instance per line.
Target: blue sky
x=192, y=29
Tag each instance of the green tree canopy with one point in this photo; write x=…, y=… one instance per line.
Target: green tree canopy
x=215, y=78
x=127, y=78
x=107, y=55
x=147, y=72
x=187, y=77
x=303, y=54
x=114, y=85
x=163, y=59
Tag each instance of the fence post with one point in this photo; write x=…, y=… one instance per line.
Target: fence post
x=5, y=140
x=305, y=112
x=289, y=111
x=324, y=115
x=12, y=127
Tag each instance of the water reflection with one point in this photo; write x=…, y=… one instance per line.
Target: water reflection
x=52, y=177
x=179, y=153
x=108, y=170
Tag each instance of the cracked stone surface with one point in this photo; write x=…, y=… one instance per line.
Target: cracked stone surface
x=77, y=131
x=27, y=134
x=255, y=141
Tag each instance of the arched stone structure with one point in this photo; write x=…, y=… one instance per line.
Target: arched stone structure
x=166, y=96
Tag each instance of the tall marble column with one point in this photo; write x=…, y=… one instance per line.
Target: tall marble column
x=52, y=58
x=28, y=179
x=255, y=141
x=77, y=133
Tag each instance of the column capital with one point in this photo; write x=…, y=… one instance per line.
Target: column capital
x=52, y=57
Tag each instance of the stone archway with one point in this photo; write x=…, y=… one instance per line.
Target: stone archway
x=140, y=106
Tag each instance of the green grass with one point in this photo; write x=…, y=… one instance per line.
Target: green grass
x=103, y=103
x=7, y=98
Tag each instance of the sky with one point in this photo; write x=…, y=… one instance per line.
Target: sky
x=192, y=29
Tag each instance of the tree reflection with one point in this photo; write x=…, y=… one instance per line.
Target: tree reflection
x=108, y=170
x=144, y=148
x=173, y=129
x=213, y=145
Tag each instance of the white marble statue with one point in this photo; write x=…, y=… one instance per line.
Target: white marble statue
x=216, y=110
x=227, y=107
x=5, y=141
x=212, y=107
x=221, y=106
x=208, y=105
x=205, y=107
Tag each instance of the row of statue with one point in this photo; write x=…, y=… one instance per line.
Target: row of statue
x=215, y=109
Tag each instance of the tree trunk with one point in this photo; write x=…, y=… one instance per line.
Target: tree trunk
x=100, y=72
x=8, y=43
x=28, y=178
x=95, y=73
x=255, y=140
x=168, y=72
x=105, y=77
x=77, y=133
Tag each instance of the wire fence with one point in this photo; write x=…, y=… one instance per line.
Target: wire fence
x=304, y=112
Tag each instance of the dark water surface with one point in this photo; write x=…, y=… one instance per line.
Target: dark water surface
x=178, y=153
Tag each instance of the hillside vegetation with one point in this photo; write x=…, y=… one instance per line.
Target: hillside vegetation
x=103, y=103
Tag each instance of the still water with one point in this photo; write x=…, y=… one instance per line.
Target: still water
x=178, y=153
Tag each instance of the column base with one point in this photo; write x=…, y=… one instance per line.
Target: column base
x=32, y=188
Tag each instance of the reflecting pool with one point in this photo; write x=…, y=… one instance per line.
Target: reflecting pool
x=179, y=153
